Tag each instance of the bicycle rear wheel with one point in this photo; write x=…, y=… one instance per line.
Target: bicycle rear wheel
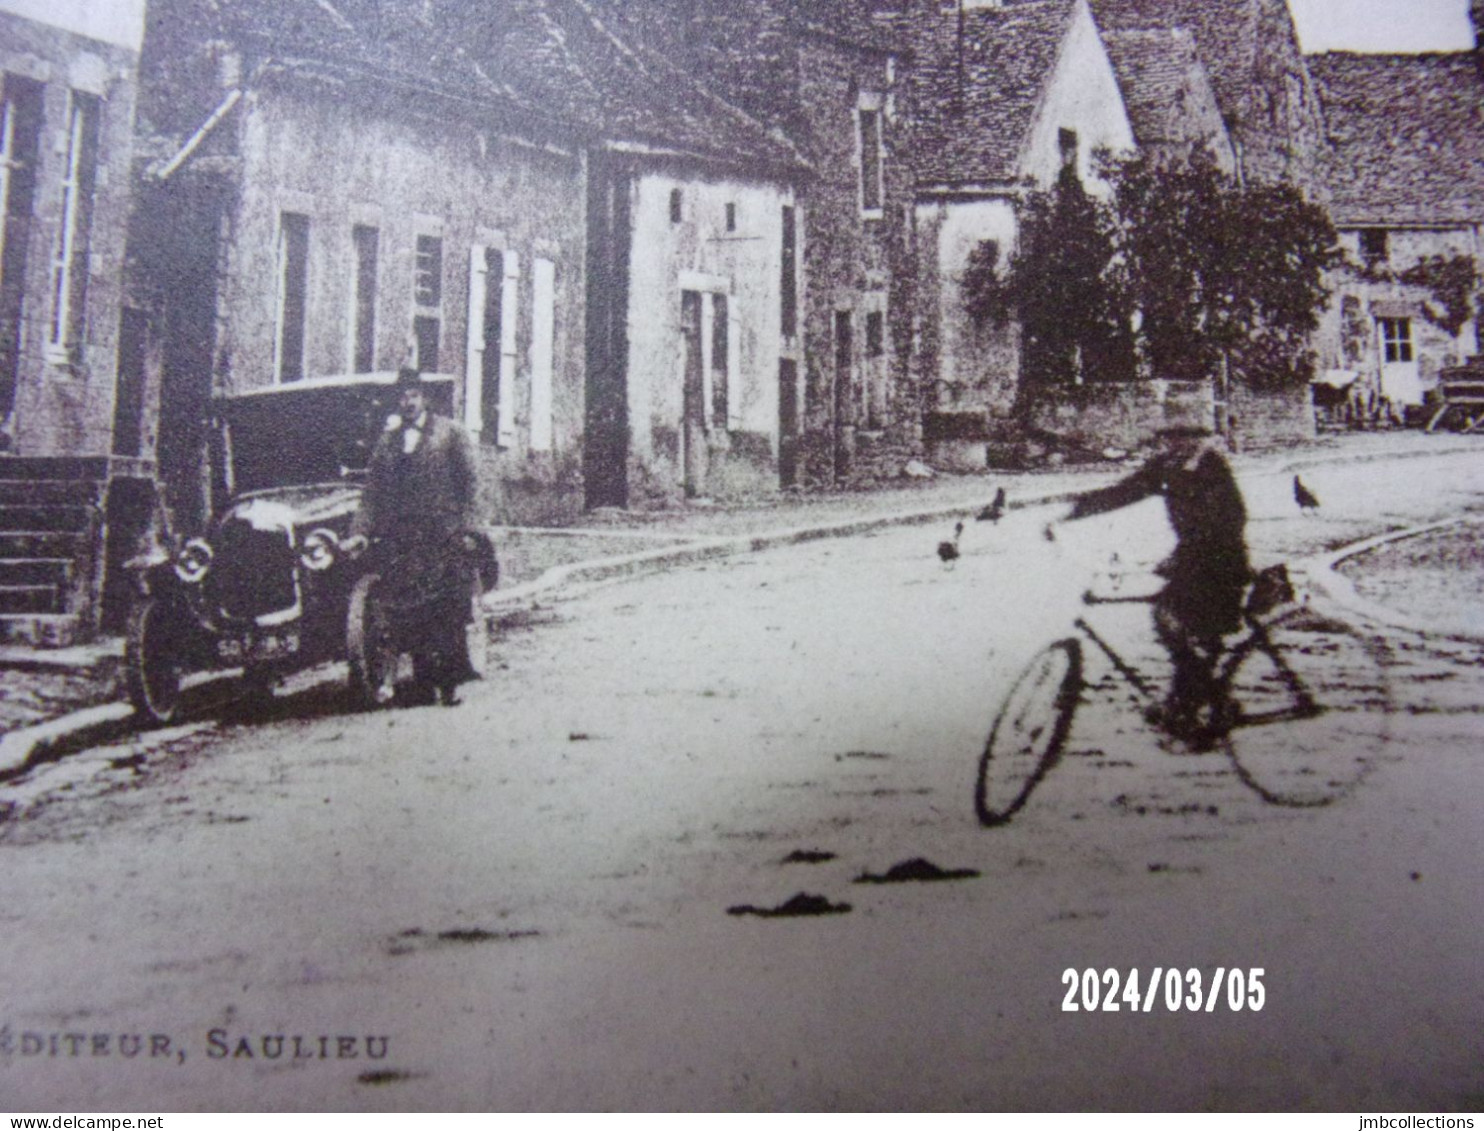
x=1029, y=732
x=1308, y=709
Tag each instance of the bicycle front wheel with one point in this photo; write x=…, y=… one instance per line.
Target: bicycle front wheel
x=1029, y=732
x=1308, y=709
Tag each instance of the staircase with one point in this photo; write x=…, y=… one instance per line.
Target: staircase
x=51, y=532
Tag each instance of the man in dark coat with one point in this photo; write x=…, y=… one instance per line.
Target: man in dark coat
x=1208, y=571
x=418, y=508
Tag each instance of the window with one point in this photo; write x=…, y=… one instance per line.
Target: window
x=1373, y=245
x=721, y=393
x=543, y=351
x=789, y=283
x=844, y=369
x=875, y=369
x=20, y=129
x=1396, y=339
x=425, y=333
x=709, y=401
x=427, y=297
x=494, y=275
x=875, y=334
x=1066, y=142
x=870, y=154
x=675, y=201
x=70, y=261
x=293, y=280
x=429, y=281
x=731, y=217
x=364, y=241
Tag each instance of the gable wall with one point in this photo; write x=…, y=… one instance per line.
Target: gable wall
x=63, y=402
x=977, y=367
x=698, y=253
x=1082, y=95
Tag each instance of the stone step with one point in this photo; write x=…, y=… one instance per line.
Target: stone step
x=41, y=630
x=35, y=571
x=29, y=599
x=31, y=520
x=32, y=468
x=43, y=544
x=50, y=492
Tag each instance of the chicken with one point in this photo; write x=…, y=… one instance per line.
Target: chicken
x=948, y=551
x=995, y=511
x=1305, y=498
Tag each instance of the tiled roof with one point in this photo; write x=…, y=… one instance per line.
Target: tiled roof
x=1408, y=136
x=1224, y=33
x=975, y=101
x=1251, y=53
x=849, y=21
x=1165, y=89
x=551, y=62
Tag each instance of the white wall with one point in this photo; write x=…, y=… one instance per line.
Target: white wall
x=120, y=22
x=980, y=368
x=1082, y=95
x=748, y=259
x=962, y=226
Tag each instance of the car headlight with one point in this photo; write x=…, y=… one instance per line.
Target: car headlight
x=193, y=561
x=321, y=548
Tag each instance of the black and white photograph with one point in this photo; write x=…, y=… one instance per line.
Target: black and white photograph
x=742, y=556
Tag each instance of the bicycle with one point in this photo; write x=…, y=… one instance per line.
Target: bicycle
x=1299, y=705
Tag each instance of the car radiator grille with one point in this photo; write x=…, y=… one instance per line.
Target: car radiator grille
x=253, y=572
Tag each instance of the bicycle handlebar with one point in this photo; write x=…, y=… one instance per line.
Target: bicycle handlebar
x=1091, y=598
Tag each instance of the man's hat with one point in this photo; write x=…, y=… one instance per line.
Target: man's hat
x=408, y=378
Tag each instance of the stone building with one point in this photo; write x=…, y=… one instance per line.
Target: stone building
x=503, y=194
x=1406, y=180
x=68, y=422
x=341, y=192
x=1168, y=95
x=1002, y=98
x=824, y=76
x=1256, y=66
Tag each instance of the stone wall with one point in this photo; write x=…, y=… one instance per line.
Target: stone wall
x=1123, y=416
x=851, y=258
x=62, y=401
x=1278, y=419
x=412, y=171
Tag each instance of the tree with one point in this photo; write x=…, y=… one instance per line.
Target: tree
x=1221, y=274
x=1061, y=285
x=1222, y=271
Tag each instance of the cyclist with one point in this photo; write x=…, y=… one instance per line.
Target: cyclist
x=1206, y=574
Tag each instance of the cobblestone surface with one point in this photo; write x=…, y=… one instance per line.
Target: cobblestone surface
x=1433, y=577
x=1422, y=580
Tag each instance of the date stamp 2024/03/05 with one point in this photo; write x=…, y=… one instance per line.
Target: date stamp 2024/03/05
x=1109, y=991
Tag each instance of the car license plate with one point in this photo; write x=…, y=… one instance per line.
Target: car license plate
x=251, y=649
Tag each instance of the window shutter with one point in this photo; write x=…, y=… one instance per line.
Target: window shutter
x=509, y=299
x=543, y=347
x=475, y=343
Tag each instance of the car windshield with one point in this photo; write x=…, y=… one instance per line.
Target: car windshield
x=315, y=431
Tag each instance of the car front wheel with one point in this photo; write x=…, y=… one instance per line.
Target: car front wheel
x=369, y=646
x=153, y=655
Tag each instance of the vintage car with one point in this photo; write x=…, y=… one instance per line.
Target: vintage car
x=270, y=585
